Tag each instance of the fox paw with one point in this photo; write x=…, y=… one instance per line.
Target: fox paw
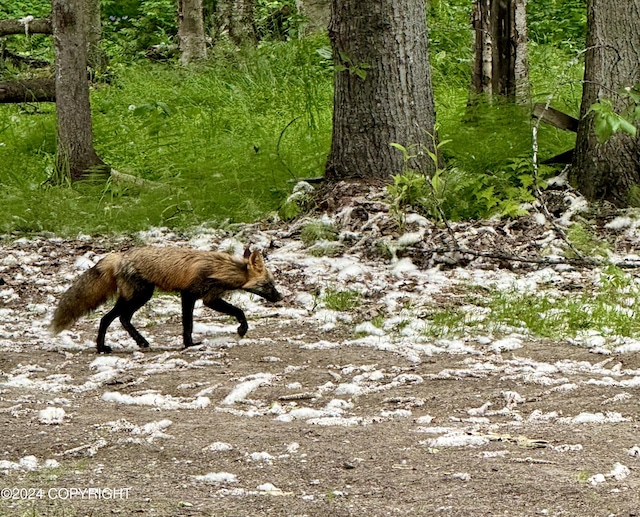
x=104, y=349
x=242, y=329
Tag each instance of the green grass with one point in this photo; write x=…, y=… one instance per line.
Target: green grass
x=607, y=309
x=213, y=139
x=223, y=142
x=340, y=300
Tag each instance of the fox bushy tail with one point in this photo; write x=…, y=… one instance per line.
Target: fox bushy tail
x=93, y=288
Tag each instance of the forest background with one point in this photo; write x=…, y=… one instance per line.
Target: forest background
x=225, y=141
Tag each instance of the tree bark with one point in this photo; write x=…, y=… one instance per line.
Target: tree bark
x=500, y=52
x=608, y=171
x=36, y=26
x=316, y=13
x=29, y=90
x=193, y=44
x=236, y=19
x=382, y=89
x=96, y=58
x=75, y=152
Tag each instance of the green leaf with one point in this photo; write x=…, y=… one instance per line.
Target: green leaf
x=628, y=127
x=164, y=108
x=362, y=74
x=602, y=129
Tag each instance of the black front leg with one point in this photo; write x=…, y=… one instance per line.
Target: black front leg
x=218, y=304
x=188, y=303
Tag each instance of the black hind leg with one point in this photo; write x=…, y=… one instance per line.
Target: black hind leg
x=131, y=306
x=106, y=320
x=124, y=309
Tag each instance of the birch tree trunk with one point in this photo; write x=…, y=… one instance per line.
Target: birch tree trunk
x=382, y=89
x=193, y=45
x=609, y=171
x=500, y=54
x=75, y=152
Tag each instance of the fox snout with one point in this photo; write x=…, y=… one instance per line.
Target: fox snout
x=266, y=291
x=269, y=293
x=275, y=296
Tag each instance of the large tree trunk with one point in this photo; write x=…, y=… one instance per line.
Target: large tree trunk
x=608, y=171
x=193, y=45
x=75, y=152
x=382, y=88
x=500, y=54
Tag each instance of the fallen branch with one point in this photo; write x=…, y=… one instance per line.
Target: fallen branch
x=28, y=25
x=121, y=177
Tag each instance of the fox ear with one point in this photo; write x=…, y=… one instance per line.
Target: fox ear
x=247, y=253
x=255, y=261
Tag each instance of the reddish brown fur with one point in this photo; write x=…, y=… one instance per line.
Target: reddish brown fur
x=122, y=275
x=177, y=269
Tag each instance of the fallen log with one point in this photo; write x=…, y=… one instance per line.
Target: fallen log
x=555, y=117
x=28, y=25
x=42, y=89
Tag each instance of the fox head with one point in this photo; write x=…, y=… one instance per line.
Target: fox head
x=260, y=281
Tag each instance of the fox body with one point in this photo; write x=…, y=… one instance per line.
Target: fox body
x=132, y=276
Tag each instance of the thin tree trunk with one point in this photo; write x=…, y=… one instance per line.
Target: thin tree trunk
x=382, y=89
x=75, y=152
x=236, y=19
x=193, y=45
x=609, y=171
x=483, y=55
x=243, y=29
x=316, y=14
x=96, y=58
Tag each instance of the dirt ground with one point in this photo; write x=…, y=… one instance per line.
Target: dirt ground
x=382, y=464
x=305, y=416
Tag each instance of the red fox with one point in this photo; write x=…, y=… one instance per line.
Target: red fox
x=133, y=275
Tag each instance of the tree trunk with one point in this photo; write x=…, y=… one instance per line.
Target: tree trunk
x=96, y=58
x=236, y=19
x=193, y=45
x=30, y=90
x=75, y=152
x=316, y=13
x=382, y=89
x=500, y=55
x=35, y=26
x=608, y=171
